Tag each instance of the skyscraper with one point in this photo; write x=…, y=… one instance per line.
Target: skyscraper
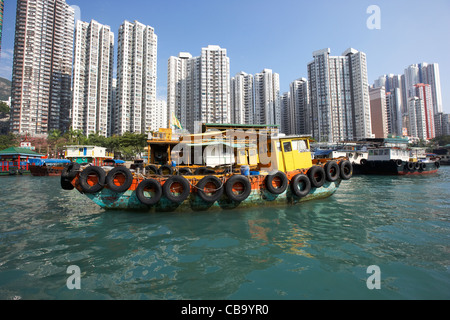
x=242, y=98
x=412, y=77
x=92, y=78
x=416, y=115
x=339, y=96
x=215, y=85
x=428, y=74
x=267, y=98
x=160, y=116
x=285, y=113
x=136, y=78
x=394, y=106
x=423, y=92
x=378, y=111
x=396, y=101
x=199, y=87
x=42, y=67
x=180, y=88
x=431, y=76
x=299, y=113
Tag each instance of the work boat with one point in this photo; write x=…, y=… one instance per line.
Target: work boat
x=282, y=172
x=396, y=161
x=47, y=167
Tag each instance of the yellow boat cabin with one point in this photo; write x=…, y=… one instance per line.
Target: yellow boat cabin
x=259, y=147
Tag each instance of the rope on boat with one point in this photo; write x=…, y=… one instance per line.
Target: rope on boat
x=213, y=190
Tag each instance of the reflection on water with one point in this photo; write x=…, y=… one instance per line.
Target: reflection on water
x=314, y=250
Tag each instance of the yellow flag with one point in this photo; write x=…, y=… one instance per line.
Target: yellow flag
x=175, y=121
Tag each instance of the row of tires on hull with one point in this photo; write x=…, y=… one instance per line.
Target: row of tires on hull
x=300, y=184
x=417, y=166
x=408, y=166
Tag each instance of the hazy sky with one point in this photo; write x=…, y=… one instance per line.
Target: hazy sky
x=279, y=35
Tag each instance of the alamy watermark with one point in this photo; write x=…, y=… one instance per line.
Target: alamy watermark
x=374, y=281
x=374, y=20
x=74, y=281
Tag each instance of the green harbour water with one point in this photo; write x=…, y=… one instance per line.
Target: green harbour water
x=319, y=249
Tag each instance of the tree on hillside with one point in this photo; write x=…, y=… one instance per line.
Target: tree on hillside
x=441, y=141
x=4, y=109
x=9, y=140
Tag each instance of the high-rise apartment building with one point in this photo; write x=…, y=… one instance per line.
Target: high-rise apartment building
x=180, y=90
x=160, y=116
x=136, y=78
x=299, y=113
x=339, y=96
x=412, y=77
x=442, y=124
x=215, y=85
x=42, y=67
x=92, y=78
x=378, y=111
x=242, y=98
x=416, y=115
x=428, y=74
x=396, y=101
x=199, y=88
x=111, y=118
x=267, y=98
x=285, y=113
x=423, y=92
x=394, y=106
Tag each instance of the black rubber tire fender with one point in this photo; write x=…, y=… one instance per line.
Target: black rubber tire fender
x=163, y=170
x=66, y=185
x=208, y=171
x=185, y=172
x=68, y=174
x=151, y=169
x=199, y=171
x=184, y=184
x=284, y=182
x=410, y=166
x=332, y=171
x=346, y=169
x=229, y=188
x=127, y=183
x=145, y=184
x=204, y=171
x=101, y=175
x=423, y=166
x=296, y=181
x=316, y=175
x=70, y=171
x=214, y=196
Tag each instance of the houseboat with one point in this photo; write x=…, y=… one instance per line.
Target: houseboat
x=15, y=161
x=87, y=154
x=284, y=173
x=47, y=167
